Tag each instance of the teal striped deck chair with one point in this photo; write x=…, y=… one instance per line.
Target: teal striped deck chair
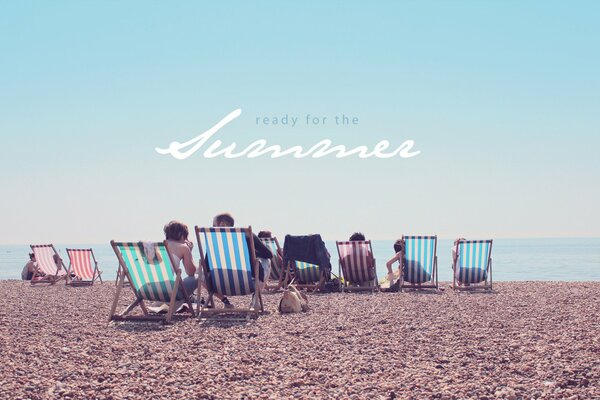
x=227, y=266
x=472, y=265
x=152, y=276
x=419, y=263
x=277, y=274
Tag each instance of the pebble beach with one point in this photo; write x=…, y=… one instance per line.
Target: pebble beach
x=525, y=340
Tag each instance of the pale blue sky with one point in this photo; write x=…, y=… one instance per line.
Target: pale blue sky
x=501, y=98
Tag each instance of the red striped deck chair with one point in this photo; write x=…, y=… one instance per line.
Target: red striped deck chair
x=84, y=267
x=419, y=263
x=357, y=266
x=472, y=265
x=49, y=265
x=277, y=275
x=152, y=277
x=228, y=268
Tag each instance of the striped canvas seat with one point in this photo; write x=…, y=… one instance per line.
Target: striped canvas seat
x=276, y=262
x=44, y=256
x=356, y=260
x=229, y=262
x=152, y=276
x=306, y=272
x=151, y=279
x=420, y=260
x=82, y=263
x=473, y=260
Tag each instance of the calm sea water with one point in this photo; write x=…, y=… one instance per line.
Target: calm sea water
x=513, y=259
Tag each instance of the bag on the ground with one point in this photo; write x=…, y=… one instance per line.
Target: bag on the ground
x=293, y=301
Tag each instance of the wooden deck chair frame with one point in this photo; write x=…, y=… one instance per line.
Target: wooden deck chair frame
x=307, y=286
x=341, y=267
x=96, y=275
x=434, y=271
x=282, y=273
x=487, y=283
x=49, y=279
x=139, y=301
x=209, y=309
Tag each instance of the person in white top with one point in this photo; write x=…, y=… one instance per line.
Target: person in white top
x=180, y=248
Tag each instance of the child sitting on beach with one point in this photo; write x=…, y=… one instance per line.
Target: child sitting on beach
x=398, y=257
x=180, y=248
x=29, y=268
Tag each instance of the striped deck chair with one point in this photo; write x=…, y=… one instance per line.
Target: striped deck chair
x=277, y=272
x=80, y=264
x=151, y=279
x=47, y=271
x=419, y=263
x=357, y=265
x=472, y=265
x=228, y=268
x=307, y=276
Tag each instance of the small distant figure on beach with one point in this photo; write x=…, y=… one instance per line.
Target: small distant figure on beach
x=399, y=250
x=29, y=268
x=263, y=253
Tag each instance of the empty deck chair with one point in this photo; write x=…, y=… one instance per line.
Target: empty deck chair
x=419, y=263
x=152, y=275
x=472, y=265
x=228, y=268
x=49, y=265
x=357, y=265
x=83, y=267
x=277, y=274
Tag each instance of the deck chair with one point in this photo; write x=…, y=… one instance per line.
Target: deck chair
x=307, y=261
x=357, y=265
x=419, y=263
x=80, y=265
x=47, y=270
x=152, y=275
x=227, y=266
x=472, y=265
x=277, y=274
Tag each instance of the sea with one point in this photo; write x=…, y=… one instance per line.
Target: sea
x=568, y=259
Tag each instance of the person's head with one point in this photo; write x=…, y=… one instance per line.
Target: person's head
x=223, y=220
x=357, y=236
x=176, y=230
x=32, y=256
x=264, y=234
x=399, y=246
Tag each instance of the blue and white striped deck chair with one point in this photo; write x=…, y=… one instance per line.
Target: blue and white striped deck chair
x=277, y=273
x=152, y=276
x=419, y=263
x=228, y=268
x=472, y=265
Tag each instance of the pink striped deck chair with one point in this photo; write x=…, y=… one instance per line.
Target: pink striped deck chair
x=357, y=266
x=81, y=271
x=49, y=265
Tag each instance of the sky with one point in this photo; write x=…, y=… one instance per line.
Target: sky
x=500, y=98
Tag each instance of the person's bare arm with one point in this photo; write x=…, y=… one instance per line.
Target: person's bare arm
x=188, y=261
x=391, y=262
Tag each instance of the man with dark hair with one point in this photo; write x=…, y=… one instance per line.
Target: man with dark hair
x=263, y=254
x=357, y=237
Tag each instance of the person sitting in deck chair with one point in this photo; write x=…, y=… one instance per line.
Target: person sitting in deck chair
x=263, y=254
x=360, y=237
x=180, y=248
